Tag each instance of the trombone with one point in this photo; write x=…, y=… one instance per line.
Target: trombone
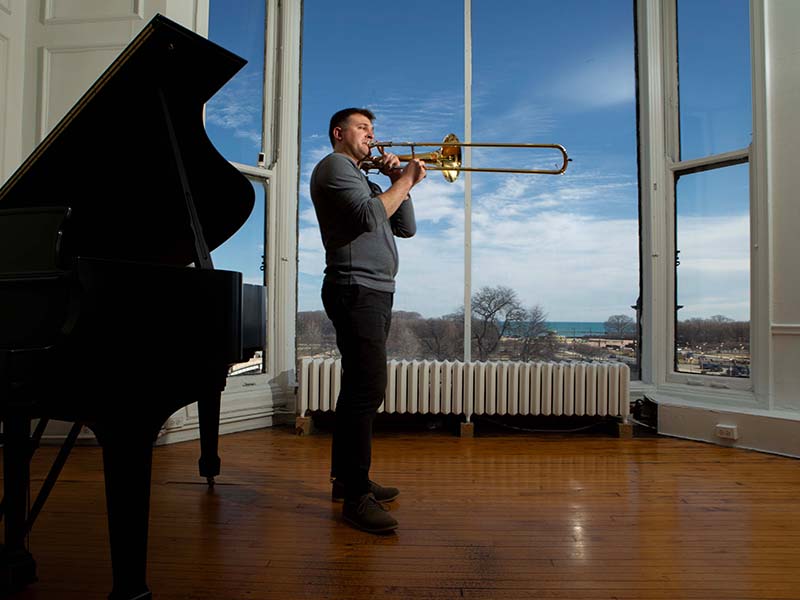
x=447, y=158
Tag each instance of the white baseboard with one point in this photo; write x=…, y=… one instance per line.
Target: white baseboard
x=243, y=410
x=775, y=434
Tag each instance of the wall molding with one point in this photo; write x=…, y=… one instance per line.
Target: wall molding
x=50, y=17
x=785, y=329
x=239, y=411
x=774, y=432
x=5, y=86
x=46, y=73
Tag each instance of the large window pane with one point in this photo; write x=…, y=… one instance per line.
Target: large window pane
x=409, y=72
x=234, y=123
x=713, y=272
x=244, y=252
x=234, y=114
x=566, y=246
x=714, y=74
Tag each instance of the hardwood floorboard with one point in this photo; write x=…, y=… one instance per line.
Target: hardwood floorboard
x=509, y=516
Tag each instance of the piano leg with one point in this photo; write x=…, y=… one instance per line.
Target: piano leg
x=208, y=414
x=127, y=462
x=17, y=566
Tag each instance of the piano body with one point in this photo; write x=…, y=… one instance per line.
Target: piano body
x=101, y=320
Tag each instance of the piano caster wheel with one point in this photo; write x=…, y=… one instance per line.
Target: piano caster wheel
x=210, y=481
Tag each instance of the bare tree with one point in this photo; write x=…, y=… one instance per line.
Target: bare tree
x=720, y=319
x=315, y=334
x=441, y=338
x=312, y=334
x=536, y=341
x=714, y=332
x=495, y=310
x=619, y=326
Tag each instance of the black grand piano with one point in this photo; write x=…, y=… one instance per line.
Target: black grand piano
x=111, y=314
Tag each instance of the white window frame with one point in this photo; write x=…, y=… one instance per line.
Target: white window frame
x=659, y=139
x=277, y=170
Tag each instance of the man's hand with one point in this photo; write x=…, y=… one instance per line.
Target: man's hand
x=415, y=169
x=402, y=181
x=388, y=164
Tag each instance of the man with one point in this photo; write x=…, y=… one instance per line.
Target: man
x=358, y=222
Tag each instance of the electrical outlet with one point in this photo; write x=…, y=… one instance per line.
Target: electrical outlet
x=727, y=432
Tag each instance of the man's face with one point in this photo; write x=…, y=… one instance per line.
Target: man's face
x=354, y=137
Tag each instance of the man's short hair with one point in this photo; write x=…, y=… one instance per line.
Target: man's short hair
x=340, y=118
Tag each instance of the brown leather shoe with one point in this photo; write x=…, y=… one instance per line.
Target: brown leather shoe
x=369, y=515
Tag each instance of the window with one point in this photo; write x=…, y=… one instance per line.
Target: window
x=244, y=252
x=567, y=245
x=712, y=188
x=559, y=255
x=409, y=72
x=235, y=125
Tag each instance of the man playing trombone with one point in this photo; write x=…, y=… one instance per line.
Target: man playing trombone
x=358, y=222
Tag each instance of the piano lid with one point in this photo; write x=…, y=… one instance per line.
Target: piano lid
x=110, y=158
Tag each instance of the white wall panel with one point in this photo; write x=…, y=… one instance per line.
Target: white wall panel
x=767, y=431
x=12, y=69
x=4, y=99
x=189, y=13
x=783, y=98
x=786, y=357
x=90, y=11
x=783, y=68
x=66, y=74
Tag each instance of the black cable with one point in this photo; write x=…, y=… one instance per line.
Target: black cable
x=642, y=424
x=577, y=429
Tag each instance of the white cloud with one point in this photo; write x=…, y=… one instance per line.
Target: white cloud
x=567, y=244
x=438, y=201
x=604, y=79
x=235, y=108
x=576, y=266
x=419, y=119
x=524, y=121
x=307, y=215
x=569, y=265
x=714, y=271
x=310, y=251
x=314, y=155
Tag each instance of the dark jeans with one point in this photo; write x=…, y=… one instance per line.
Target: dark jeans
x=361, y=317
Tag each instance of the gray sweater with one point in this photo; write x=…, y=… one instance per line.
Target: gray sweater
x=358, y=237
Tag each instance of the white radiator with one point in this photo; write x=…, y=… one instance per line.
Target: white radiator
x=479, y=388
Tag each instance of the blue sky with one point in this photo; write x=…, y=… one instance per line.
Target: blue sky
x=549, y=72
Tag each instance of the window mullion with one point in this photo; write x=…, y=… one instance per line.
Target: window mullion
x=706, y=163
x=672, y=144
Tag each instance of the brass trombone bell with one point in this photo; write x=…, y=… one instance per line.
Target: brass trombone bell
x=447, y=158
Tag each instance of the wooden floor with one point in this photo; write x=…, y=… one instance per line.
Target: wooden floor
x=509, y=517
